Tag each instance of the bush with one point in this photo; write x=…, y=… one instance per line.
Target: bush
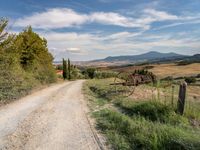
x=59, y=67
x=179, y=78
x=89, y=73
x=198, y=76
x=104, y=74
x=168, y=78
x=190, y=80
x=24, y=63
x=14, y=81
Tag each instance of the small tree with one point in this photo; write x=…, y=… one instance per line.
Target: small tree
x=91, y=72
x=69, y=69
x=64, y=69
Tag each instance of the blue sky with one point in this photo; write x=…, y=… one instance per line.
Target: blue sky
x=88, y=29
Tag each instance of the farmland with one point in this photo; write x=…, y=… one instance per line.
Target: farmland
x=174, y=70
x=147, y=119
x=162, y=70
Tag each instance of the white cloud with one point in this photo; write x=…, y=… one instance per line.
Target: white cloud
x=113, y=19
x=53, y=18
x=88, y=45
x=152, y=15
x=64, y=17
x=160, y=15
x=93, y=46
x=75, y=50
x=186, y=22
x=66, y=36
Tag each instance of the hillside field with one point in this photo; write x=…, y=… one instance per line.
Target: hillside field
x=174, y=70
x=162, y=70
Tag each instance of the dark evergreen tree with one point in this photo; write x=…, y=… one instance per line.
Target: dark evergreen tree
x=64, y=69
x=69, y=69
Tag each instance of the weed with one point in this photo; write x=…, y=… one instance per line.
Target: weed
x=139, y=133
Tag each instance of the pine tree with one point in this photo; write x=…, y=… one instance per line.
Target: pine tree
x=34, y=55
x=64, y=69
x=3, y=34
x=69, y=69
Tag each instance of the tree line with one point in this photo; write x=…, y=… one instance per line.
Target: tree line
x=67, y=69
x=25, y=62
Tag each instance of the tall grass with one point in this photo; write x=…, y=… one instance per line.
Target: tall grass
x=146, y=124
x=151, y=110
x=138, y=133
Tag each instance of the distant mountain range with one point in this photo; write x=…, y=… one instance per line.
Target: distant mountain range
x=149, y=57
x=153, y=55
x=194, y=58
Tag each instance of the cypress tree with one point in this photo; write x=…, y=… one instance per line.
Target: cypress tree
x=69, y=69
x=64, y=69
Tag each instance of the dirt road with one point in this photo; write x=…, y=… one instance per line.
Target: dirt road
x=51, y=119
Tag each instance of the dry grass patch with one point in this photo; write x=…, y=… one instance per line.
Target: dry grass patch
x=174, y=70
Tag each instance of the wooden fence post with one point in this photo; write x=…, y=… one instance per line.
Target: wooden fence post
x=181, y=98
x=172, y=102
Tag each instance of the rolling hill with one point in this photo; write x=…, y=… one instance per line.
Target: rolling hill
x=144, y=57
x=151, y=56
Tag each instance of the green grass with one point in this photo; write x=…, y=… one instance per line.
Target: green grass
x=151, y=110
x=99, y=92
x=149, y=124
x=124, y=132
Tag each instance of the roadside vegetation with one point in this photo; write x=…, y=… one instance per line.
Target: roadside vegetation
x=73, y=72
x=148, y=121
x=24, y=62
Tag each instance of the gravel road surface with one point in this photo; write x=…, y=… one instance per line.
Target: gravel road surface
x=51, y=119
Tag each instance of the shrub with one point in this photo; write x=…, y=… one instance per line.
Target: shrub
x=168, y=78
x=198, y=76
x=14, y=81
x=24, y=63
x=104, y=74
x=89, y=72
x=190, y=80
x=59, y=67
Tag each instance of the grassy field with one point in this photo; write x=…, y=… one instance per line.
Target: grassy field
x=164, y=70
x=174, y=70
x=146, y=120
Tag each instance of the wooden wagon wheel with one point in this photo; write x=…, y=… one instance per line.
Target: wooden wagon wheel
x=123, y=85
